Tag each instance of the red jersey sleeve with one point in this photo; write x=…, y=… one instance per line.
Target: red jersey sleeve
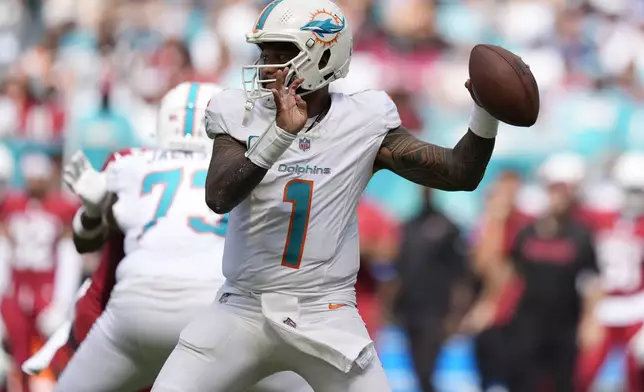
x=122, y=153
x=91, y=305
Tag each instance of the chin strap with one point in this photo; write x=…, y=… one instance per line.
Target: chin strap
x=267, y=101
x=248, y=108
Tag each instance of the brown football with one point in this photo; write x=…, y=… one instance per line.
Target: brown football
x=504, y=85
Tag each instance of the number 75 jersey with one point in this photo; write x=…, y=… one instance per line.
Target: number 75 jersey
x=297, y=232
x=169, y=231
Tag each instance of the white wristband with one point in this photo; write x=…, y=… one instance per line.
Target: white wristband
x=81, y=231
x=270, y=146
x=482, y=123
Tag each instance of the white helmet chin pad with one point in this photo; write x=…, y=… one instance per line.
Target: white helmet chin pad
x=317, y=28
x=180, y=120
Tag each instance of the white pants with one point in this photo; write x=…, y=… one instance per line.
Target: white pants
x=127, y=346
x=232, y=346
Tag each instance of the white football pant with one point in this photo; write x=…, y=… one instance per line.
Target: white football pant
x=127, y=346
x=231, y=347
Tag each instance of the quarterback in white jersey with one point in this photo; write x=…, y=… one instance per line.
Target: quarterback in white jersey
x=290, y=161
x=173, y=246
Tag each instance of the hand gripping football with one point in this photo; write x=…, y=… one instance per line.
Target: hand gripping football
x=504, y=85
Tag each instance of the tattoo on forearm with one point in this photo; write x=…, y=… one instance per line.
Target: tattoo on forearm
x=231, y=176
x=460, y=168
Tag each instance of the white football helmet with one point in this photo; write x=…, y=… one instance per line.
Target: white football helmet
x=180, y=120
x=316, y=27
x=564, y=167
x=628, y=173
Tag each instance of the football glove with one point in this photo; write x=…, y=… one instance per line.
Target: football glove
x=88, y=184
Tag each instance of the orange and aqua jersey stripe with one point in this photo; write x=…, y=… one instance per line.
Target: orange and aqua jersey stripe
x=189, y=123
x=264, y=15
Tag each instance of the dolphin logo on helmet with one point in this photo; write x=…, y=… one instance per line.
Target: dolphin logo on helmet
x=323, y=27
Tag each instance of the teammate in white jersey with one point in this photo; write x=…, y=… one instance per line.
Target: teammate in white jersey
x=290, y=160
x=173, y=245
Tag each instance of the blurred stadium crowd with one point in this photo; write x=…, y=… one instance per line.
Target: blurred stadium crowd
x=88, y=75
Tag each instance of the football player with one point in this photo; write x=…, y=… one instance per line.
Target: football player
x=149, y=205
x=290, y=160
x=43, y=267
x=620, y=248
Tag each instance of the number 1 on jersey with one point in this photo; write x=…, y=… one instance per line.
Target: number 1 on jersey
x=299, y=193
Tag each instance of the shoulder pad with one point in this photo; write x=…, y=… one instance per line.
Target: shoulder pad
x=378, y=104
x=121, y=154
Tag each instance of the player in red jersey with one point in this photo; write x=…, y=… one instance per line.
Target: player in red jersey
x=91, y=302
x=620, y=246
x=378, y=241
x=500, y=288
x=43, y=267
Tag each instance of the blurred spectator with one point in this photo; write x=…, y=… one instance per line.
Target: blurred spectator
x=500, y=288
x=168, y=66
x=620, y=247
x=555, y=257
x=12, y=32
x=432, y=270
x=569, y=170
x=45, y=268
x=34, y=112
x=407, y=109
x=100, y=134
x=153, y=76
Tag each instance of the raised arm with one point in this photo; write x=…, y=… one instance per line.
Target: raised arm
x=94, y=220
x=231, y=176
x=451, y=169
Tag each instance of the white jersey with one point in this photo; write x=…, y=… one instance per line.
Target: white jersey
x=297, y=232
x=169, y=231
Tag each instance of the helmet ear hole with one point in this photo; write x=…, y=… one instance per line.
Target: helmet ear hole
x=324, y=60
